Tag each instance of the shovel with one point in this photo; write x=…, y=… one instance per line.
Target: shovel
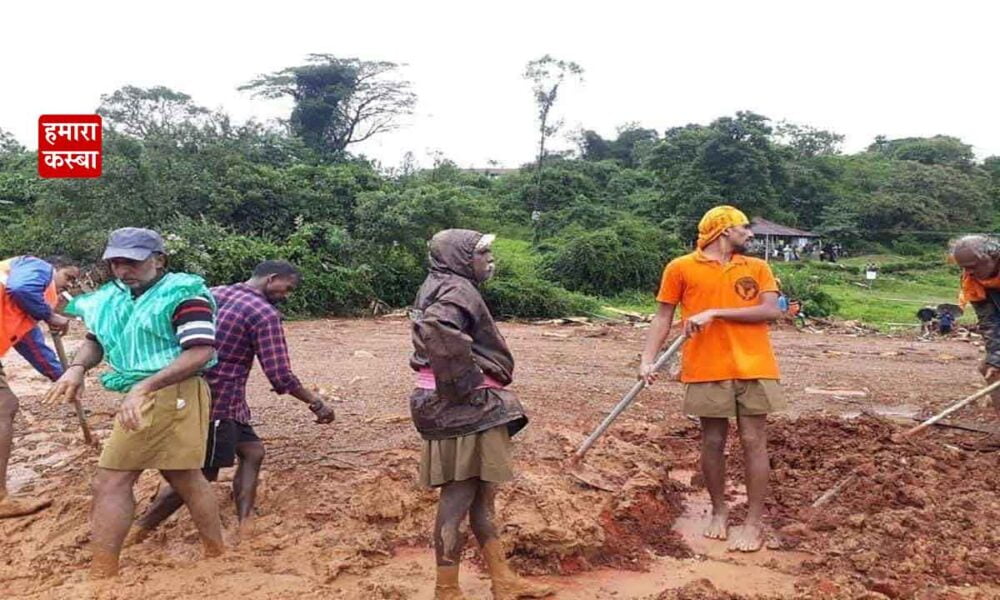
x=80, y=416
x=61, y=352
x=953, y=408
x=852, y=477
x=594, y=479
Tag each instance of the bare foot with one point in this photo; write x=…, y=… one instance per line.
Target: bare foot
x=18, y=507
x=718, y=527
x=244, y=531
x=748, y=538
x=103, y=564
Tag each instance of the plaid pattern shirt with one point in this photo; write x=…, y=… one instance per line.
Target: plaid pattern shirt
x=246, y=325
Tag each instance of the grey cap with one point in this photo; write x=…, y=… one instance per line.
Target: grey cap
x=133, y=243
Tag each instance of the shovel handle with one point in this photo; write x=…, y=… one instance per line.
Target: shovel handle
x=80, y=416
x=627, y=400
x=954, y=407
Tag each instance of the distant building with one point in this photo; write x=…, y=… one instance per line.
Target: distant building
x=770, y=236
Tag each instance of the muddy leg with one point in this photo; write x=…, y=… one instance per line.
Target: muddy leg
x=8, y=410
x=483, y=513
x=197, y=494
x=110, y=518
x=753, y=438
x=10, y=507
x=166, y=503
x=713, y=467
x=251, y=456
x=507, y=585
x=454, y=504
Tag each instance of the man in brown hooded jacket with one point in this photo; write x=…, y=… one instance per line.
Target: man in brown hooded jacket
x=462, y=409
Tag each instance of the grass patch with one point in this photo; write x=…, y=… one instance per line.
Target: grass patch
x=903, y=286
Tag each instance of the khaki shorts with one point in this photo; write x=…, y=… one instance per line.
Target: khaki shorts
x=484, y=455
x=733, y=397
x=172, y=436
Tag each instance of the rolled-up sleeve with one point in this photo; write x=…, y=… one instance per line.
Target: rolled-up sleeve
x=272, y=352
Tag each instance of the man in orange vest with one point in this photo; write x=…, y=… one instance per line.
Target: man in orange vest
x=29, y=293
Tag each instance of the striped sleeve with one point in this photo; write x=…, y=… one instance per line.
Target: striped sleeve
x=194, y=323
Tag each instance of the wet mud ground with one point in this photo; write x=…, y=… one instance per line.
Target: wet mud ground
x=340, y=515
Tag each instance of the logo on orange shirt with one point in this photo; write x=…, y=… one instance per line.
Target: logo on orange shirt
x=747, y=288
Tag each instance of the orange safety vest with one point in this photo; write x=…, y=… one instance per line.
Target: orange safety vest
x=14, y=322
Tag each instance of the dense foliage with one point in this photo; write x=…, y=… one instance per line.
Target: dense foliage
x=609, y=216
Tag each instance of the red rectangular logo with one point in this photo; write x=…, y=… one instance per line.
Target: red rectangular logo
x=69, y=145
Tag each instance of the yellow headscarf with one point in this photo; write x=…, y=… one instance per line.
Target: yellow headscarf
x=716, y=221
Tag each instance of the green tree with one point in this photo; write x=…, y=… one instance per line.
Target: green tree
x=805, y=141
x=730, y=161
x=991, y=165
x=547, y=75
x=629, y=149
x=339, y=102
x=147, y=112
x=628, y=255
x=937, y=150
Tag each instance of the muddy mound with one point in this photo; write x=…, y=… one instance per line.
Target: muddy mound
x=920, y=513
x=620, y=513
x=554, y=525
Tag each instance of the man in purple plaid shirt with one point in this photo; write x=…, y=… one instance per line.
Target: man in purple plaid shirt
x=248, y=324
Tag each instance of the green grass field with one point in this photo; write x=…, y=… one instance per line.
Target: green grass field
x=903, y=286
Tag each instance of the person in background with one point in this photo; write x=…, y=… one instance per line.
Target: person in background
x=29, y=294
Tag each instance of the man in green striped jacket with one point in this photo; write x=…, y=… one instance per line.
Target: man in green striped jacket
x=156, y=331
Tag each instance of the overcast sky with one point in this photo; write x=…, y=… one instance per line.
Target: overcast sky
x=857, y=68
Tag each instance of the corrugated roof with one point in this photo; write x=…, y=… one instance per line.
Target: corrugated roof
x=761, y=226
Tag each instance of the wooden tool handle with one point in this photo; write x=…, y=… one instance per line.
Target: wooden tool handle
x=954, y=407
x=80, y=416
x=626, y=400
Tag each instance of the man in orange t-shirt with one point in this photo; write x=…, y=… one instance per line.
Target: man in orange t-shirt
x=728, y=366
x=979, y=257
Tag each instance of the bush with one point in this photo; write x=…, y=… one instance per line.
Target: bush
x=396, y=273
x=629, y=255
x=800, y=285
x=220, y=256
x=534, y=299
x=902, y=266
x=409, y=217
x=330, y=284
x=908, y=245
x=517, y=289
